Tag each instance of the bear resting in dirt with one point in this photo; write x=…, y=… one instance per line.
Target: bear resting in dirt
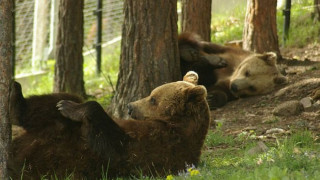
x=228, y=72
x=165, y=135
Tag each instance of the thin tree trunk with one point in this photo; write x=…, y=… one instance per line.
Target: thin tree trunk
x=260, y=31
x=196, y=17
x=149, y=51
x=69, y=59
x=6, y=9
x=316, y=12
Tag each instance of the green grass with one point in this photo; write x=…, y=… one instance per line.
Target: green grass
x=295, y=157
x=102, y=87
x=303, y=29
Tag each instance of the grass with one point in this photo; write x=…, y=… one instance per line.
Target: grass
x=295, y=157
x=303, y=29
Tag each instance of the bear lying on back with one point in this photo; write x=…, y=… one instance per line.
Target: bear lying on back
x=228, y=72
x=168, y=134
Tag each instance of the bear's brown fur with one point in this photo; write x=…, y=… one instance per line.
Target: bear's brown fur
x=167, y=135
x=192, y=57
x=246, y=73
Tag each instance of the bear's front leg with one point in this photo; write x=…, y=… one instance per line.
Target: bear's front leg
x=90, y=111
x=100, y=132
x=216, y=99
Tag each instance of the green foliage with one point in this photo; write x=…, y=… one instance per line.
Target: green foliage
x=102, y=87
x=303, y=29
x=36, y=84
x=228, y=26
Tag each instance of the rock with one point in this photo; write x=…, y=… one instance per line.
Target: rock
x=275, y=130
x=306, y=102
x=288, y=108
x=259, y=148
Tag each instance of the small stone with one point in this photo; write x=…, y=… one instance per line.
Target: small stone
x=288, y=108
x=275, y=130
x=306, y=102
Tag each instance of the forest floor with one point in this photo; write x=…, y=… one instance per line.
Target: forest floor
x=250, y=141
x=255, y=114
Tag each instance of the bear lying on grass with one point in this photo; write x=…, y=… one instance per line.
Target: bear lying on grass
x=232, y=73
x=167, y=134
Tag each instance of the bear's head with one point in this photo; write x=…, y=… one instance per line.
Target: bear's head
x=257, y=74
x=171, y=99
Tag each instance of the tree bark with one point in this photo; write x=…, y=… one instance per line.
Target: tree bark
x=149, y=51
x=6, y=9
x=196, y=17
x=69, y=59
x=260, y=31
x=316, y=12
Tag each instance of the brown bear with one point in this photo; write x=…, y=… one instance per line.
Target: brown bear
x=165, y=135
x=246, y=73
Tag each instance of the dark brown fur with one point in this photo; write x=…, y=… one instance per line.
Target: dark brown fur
x=194, y=58
x=87, y=142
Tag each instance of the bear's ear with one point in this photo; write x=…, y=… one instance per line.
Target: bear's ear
x=191, y=77
x=270, y=58
x=280, y=80
x=196, y=93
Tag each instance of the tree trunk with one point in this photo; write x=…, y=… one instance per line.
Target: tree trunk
x=69, y=59
x=6, y=9
x=196, y=17
x=316, y=12
x=260, y=31
x=149, y=51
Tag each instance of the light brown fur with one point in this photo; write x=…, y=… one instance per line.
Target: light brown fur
x=230, y=82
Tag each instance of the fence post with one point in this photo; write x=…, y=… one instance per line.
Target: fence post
x=286, y=25
x=98, y=43
x=40, y=29
x=53, y=28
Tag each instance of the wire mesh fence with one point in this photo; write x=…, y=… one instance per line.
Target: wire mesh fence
x=26, y=11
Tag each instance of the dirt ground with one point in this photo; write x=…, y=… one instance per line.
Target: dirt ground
x=255, y=114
